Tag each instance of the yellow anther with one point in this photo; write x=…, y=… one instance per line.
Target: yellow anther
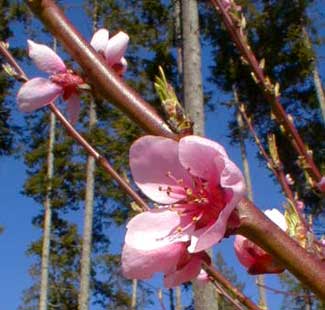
x=179, y=229
x=195, y=219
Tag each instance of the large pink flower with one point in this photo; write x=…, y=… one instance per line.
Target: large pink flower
x=147, y=250
x=255, y=259
x=39, y=92
x=112, y=49
x=197, y=181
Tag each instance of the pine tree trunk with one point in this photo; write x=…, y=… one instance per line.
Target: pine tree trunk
x=260, y=278
x=178, y=38
x=192, y=77
x=85, y=262
x=47, y=219
x=319, y=91
x=178, y=297
x=317, y=80
x=205, y=297
x=134, y=294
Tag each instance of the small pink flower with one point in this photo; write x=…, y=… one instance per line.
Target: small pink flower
x=254, y=258
x=321, y=185
x=146, y=250
x=39, y=92
x=197, y=181
x=112, y=49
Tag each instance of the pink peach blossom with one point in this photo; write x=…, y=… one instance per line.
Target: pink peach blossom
x=112, y=49
x=254, y=258
x=321, y=185
x=39, y=92
x=196, y=180
x=147, y=250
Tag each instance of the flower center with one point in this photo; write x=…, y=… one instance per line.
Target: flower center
x=68, y=81
x=200, y=202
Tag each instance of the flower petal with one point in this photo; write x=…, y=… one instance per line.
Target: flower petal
x=45, y=58
x=73, y=108
x=151, y=159
x=241, y=250
x=37, y=93
x=198, y=154
x=99, y=40
x=204, y=238
x=150, y=230
x=139, y=264
x=116, y=48
x=187, y=273
x=277, y=217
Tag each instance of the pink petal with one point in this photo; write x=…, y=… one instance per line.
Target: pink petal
x=37, y=93
x=241, y=250
x=73, y=108
x=187, y=273
x=121, y=66
x=150, y=230
x=198, y=154
x=204, y=238
x=202, y=278
x=99, y=40
x=277, y=217
x=45, y=58
x=151, y=158
x=140, y=264
x=116, y=48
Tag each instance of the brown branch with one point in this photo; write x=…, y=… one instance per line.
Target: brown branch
x=219, y=278
x=267, y=88
x=77, y=137
x=285, y=293
x=255, y=226
x=103, y=79
x=276, y=168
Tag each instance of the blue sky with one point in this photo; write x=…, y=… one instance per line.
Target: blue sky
x=18, y=210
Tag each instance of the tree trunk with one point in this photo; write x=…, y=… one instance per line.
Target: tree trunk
x=178, y=297
x=317, y=80
x=134, y=294
x=85, y=262
x=260, y=278
x=178, y=38
x=205, y=297
x=47, y=218
x=319, y=91
x=192, y=77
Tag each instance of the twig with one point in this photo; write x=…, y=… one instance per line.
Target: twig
x=219, y=278
x=78, y=138
x=269, y=90
x=276, y=291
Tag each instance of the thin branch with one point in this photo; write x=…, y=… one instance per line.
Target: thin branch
x=276, y=168
x=269, y=90
x=78, y=138
x=219, y=278
x=285, y=293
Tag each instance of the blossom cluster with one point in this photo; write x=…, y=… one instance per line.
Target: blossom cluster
x=39, y=92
